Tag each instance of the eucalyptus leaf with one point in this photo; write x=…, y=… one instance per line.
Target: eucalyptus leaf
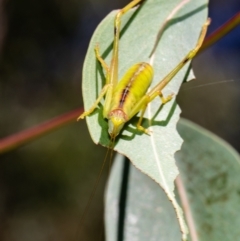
x=154, y=154
x=209, y=170
x=148, y=214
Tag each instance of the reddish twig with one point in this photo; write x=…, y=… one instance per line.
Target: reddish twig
x=221, y=31
x=23, y=137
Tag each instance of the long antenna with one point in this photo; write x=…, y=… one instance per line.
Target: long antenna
x=92, y=193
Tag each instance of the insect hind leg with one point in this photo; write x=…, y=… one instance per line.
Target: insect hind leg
x=148, y=99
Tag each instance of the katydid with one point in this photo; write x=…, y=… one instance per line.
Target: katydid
x=124, y=99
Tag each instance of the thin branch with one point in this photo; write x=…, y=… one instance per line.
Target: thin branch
x=16, y=140
x=221, y=31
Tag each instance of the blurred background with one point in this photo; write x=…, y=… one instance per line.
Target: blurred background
x=45, y=185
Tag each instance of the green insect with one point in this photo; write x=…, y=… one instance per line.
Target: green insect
x=124, y=99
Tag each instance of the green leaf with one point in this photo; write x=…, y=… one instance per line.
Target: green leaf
x=153, y=155
x=209, y=169
x=210, y=174
x=149, y=215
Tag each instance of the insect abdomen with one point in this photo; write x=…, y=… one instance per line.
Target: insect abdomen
x=132, y=87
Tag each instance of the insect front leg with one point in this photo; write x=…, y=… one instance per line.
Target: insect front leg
x=142, y=106
x=95, y=104
x=139, y=124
